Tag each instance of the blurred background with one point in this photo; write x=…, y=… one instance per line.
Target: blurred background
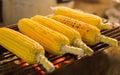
x=13, y=10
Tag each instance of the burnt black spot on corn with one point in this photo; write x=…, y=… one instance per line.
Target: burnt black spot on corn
x=71, y=33
x=89, y=33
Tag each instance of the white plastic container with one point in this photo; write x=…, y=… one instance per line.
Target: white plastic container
x=13, y=10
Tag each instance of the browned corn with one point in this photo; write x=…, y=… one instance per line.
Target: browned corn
x=82, y=16
x=90, y=34
x=73, y=35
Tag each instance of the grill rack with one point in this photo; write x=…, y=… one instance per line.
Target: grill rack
x=7, y=59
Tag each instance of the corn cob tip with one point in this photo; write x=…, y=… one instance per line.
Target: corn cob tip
x=73, y=50
x=22, y=20
x=79, y=43
x=107, y=40
x=35, y=16
x=41, y=59
x=47, y=64
x=105, y=26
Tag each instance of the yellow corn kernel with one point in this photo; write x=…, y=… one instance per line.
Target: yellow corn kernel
x=71, y=33
x=82, y=16
x=54, y=42
x=90, y=34
x=24, y=47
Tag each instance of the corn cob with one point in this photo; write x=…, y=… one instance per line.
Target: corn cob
x=54, y=42
x=90, y=34
x=24, y=47
x=82, y=16
x=72, y=34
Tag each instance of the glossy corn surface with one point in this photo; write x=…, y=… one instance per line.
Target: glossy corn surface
x=87, y=31
x=47, y=37
x=82, y=16
x=19, y=44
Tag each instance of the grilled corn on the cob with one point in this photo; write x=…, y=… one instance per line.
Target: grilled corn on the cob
x=54, y=42
x=90, y=34
x=72, y=34
x=82, y=16
x=24, y=47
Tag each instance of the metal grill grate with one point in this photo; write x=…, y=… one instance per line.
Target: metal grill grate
x=12, y=65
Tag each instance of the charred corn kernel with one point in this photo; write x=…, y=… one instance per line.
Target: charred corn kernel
x=90, y=34
x=24, y=47
x=82, y=16
x=53, y=42
x=71, y=33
